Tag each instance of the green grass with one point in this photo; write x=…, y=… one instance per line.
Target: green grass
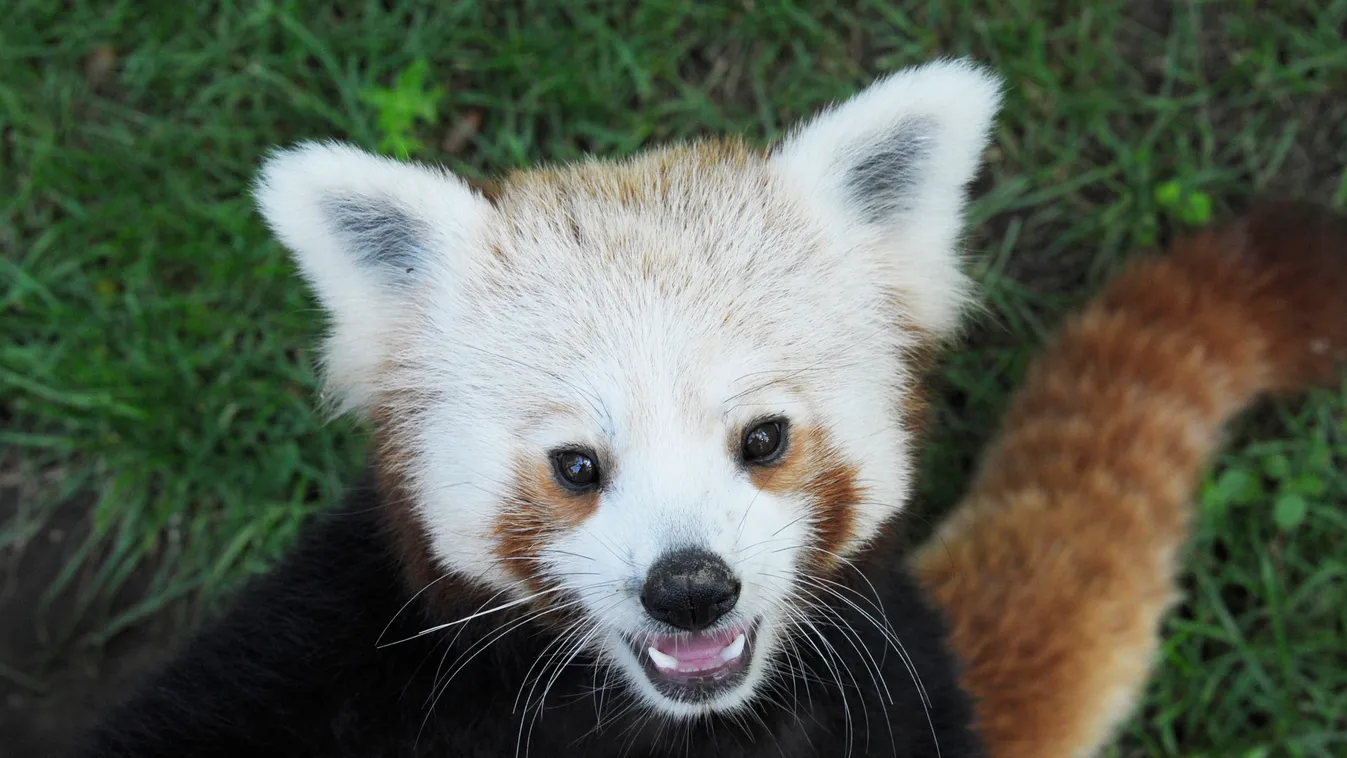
x=154, y=344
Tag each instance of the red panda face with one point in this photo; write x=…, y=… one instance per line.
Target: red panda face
x=656, y=400
x=689, y=533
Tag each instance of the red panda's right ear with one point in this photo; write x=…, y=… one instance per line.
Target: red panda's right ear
x=887, y=171
x=364, y=229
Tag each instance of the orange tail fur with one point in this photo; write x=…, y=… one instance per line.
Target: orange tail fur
x=1057, y=568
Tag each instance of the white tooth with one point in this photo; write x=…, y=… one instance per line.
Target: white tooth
x=662, y=660
x=734, y=649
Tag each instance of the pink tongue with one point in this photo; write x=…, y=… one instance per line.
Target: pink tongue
x=700, y=647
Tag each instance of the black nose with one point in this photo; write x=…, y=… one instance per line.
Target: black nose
x=689, y=589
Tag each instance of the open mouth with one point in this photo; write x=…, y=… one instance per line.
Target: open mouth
x=697, y=666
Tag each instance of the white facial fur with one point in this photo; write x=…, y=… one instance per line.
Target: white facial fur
x=650, y=310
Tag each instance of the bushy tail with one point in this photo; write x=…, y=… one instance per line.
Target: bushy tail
x=1057, y=567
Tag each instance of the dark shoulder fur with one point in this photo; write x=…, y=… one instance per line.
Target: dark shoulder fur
x=295, y=669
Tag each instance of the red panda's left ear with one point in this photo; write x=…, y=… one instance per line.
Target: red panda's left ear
x=887, y=172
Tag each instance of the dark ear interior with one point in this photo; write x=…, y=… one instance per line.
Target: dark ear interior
x=882, y=184
x=382, y=234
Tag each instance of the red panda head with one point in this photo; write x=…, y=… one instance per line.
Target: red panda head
x=656, y=395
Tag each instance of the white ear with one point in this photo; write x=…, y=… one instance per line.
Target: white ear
x=363, y=229
x=888, y=169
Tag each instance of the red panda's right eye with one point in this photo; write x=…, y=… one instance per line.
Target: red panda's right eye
x=576, y=469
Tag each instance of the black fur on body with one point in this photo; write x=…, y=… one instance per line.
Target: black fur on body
x=295, y=669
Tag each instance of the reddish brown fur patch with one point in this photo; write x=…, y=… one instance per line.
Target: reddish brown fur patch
x=537, y=508
x=914, y=408
x=813, y=467
x=1058, y=567
x=392, y=456
x=1290, y=272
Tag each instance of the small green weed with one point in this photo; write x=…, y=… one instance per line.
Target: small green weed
x=1191, y=206
x=400, y=107
x=1267, y=473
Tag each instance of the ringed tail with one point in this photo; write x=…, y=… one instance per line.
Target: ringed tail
x=1056, y=569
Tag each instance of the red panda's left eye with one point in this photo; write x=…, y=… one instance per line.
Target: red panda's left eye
x=763, y=442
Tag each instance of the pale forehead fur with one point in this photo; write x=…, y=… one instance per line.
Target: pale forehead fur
x=663, y=259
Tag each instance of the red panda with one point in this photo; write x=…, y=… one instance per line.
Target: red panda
x=642, y=430
x=1060, y=563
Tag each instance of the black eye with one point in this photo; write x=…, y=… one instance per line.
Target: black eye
x=764, y=442
x=578, y=470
